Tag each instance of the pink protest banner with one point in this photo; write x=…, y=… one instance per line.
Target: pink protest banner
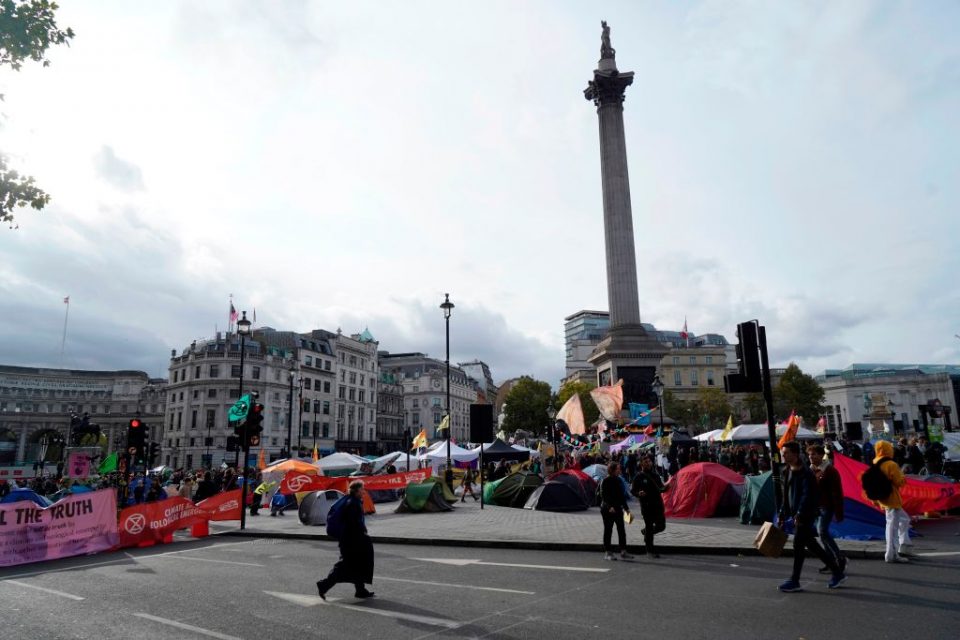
x=78, y=465
x=918, y=496
x=77, y=525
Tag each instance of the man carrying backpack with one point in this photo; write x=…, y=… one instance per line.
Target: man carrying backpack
x=881, y=483
x=345, y=522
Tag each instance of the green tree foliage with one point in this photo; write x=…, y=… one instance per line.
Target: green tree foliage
x=27, y=30
x=797, y=391
x=527, y=405
x=756, y=407
x=713, y=406
x=683, y=412
x=590, y=411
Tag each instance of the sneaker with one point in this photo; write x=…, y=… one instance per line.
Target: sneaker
x=900, y=560
x=609, y=556
x=824, y=569
x=837, y=580
x=790, y=586
x=625, y=556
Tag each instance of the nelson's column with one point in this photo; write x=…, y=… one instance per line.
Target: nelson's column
x=628, y=351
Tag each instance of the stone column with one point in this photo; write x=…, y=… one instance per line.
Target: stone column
x=607, y=91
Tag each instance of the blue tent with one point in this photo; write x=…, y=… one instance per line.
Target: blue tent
x=21, y=494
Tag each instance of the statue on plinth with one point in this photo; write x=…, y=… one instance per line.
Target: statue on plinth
x=606, y=50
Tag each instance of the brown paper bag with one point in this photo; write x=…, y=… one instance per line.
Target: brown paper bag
x=770, y=540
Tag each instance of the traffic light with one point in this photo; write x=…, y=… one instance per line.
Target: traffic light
x=136, y=433
x=749, y=377
x=254, y=425
x=153, y=452
x=232, y=442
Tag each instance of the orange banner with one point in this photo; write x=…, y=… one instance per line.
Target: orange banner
x=295, y=481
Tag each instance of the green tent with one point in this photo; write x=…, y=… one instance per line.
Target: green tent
x=757, y=504
x=489, y=488
x=515, y=489
x=446, y=492
x=424, y=497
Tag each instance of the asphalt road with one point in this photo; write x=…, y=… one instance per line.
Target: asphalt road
x=223, y=588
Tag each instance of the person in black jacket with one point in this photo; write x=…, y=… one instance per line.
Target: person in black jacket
x=613, y=504
x=647, y=487
x=356, y=549
x=801, y=501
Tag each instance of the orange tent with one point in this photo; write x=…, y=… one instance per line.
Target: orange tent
x=293, y=465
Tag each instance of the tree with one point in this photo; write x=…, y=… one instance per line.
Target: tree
x=713, y=406
x=797, y=391
x=526, y=406
x=756, y=407
x=683, y=412
x=582, y=389
x=27, y=30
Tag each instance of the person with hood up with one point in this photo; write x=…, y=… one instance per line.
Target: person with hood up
x=897, y=532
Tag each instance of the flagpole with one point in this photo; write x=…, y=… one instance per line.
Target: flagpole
x=63, y=342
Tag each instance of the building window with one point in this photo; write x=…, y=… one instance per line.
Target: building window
x=694, y=380
x=326, y=407
x=326, y=365
x=306, y=383
x=326, y=387
x=211, y=393
x=234, y=371
x=677, y=381
x=693, y=359
x=416, y=403
x=360, y=395
x=306, y=406
x=234, y=394
x=214, y=371
x=436, y=402
x=437, y=417
x=353, y=377
x=305, y=429
x=676, y=359
x=342, y=392
x=256, y=373
x=193, y=421
x=196, y=373
x=211, y=418
x=416, y=419
x=353, y=393
x=710, y=380
x=709, y=359
x=196, y=394
x=353, y=361
x=326, y=429
x=308, y=361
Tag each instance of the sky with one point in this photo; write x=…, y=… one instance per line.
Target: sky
x=343, y=165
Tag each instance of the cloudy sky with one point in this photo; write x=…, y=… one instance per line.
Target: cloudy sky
x=337, y=164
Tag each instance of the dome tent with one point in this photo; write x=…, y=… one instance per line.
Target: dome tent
x=556, y=496
x=514, y=490
x=703, y=490
x=580, y=482
x=315, y=505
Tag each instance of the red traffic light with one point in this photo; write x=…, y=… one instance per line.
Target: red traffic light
x=135, y=424
x=257, y=408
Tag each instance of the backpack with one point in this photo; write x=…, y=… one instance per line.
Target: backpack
x=875, y=482
x=335, y=524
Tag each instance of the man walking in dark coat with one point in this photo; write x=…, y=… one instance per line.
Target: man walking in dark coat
x=647, y=487
x=801, y=501
x=356, y=549
x=613, y=504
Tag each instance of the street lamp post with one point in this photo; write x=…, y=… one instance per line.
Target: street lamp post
x=300, y=417
x=657, y=386
x=316, y=425
x=447, y=307
x=243, y=328
x=552, y=414
x=290, y=417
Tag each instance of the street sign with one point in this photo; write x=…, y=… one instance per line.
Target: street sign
x=240, y=408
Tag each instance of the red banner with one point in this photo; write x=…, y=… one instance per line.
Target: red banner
x=918, y=496
x=296, y=481
x=223, y=506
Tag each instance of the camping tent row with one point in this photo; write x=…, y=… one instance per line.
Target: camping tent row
x=755, y=432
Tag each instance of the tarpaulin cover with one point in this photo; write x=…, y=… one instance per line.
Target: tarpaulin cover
x=554, y=495
x=515, y=489
x=703, y=490
x=918, y=496
x=580, y=482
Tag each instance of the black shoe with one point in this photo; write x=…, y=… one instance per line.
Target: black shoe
x=824, y=569
x=643, y=531
x=364, y=594
x=322, y=589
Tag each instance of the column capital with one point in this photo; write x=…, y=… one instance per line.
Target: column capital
x=608, y=87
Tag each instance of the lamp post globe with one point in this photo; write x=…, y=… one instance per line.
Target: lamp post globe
x=447, y=308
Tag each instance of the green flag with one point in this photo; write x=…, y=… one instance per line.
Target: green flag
x=109, y=464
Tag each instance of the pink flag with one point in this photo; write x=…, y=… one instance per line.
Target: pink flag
x=609, y=400
x=572, y=414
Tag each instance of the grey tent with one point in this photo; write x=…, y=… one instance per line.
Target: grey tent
x=315, y=505
x=514, y=490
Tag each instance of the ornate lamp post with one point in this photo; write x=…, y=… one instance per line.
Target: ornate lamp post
x=243, y=328
x=447, y=307
x=657, y=386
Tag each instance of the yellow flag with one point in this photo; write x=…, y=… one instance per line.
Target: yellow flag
x=728, y=430
x=316, y=454
x=445, y=423
x=420, y=440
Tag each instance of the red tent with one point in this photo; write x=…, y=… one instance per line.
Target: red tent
x=701, y=490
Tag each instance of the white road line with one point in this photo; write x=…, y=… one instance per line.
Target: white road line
x=458, y=586
x=313, y=601
x=937, y=554
x=187, y=627
x=65, y=568
x=457, y=562
x=169, y=557
x=44, y=589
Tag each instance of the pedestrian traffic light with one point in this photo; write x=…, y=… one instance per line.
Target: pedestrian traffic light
x=254, y=425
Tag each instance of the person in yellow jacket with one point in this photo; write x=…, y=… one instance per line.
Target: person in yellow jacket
x=898, y=521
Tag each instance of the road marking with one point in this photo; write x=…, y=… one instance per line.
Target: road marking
x=312, y=601
x=458, y=586
x=44, y=589
x=937, y=554
x=463, y=563
x=187, y=627
x=169, y=557
x=66, y=568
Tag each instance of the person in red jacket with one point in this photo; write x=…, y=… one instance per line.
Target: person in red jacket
x=831, y=503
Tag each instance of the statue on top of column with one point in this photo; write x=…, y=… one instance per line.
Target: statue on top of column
x=606, y=50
